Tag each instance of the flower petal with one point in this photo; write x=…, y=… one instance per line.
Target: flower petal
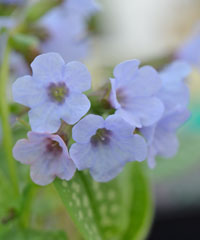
x=26, y=152
x=146, y=83
x=174, y=120
x=114, y=122
x=125, y=71
x=86, y=128
x=106, y=161
x=166, y=143
x=77, y=77
x=142, y=111
x=76, y=106
x=47, y=68
x=26, y=92
x=45, y=118
x=45, y=165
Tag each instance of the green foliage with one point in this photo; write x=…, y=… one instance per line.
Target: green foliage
x=29, y=234
x=39, y=9
x=119, y=209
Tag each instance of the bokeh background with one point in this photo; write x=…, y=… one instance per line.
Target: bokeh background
x=150, y=30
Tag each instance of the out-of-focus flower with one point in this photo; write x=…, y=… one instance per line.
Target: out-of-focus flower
x=84, y=8
x=190, y=49
x=174, y=92
x=12, y=2
x=133, y=93
x=48, y=156
x=67, y=29
x=53, y=92
x=105, y=146
x=161, y=136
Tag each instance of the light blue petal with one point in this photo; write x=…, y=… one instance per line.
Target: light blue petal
x=25, y=91
x=27, y=152
x=47, y=68
x=148, y=133
x=125, y=72
x=81, y=155
x=174, y=92
x=165, y=143
x=119, y=126
x=77, y=77
x=142, y=111
x=113, y=94
x=146, y=83
x=85, y=8
x=151, y=157
x=45, y=118
x=188, y=51
x=174, y=120
x=76, y=106
x=86, y=128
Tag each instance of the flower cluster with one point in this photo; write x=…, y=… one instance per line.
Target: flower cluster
x=150, y=106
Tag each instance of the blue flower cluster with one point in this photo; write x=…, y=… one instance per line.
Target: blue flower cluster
x=150, y=106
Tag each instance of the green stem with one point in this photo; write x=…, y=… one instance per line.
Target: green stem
x=5, y=117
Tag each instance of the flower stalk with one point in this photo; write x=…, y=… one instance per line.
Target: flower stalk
x=5, y=117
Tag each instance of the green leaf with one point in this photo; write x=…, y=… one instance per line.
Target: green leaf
x=7, y=233
x=40, y=8
x=120, y=209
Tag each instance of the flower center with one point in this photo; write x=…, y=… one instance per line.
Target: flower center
x=58, y=92
x=102, y=135
x=53, y=147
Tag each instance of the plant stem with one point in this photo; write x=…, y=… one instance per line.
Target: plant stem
x=5, y=117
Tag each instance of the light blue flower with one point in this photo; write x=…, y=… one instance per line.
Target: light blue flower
x=133, y=93
x=190, y=49
x=48, y=156
x=161, y=137
x=53, y=92
x=105, y=146
x=67, y=29
x=12, y=2
x=84, y=8
x=174, y=93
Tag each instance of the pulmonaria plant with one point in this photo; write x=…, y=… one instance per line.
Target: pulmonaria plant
x=150, y=106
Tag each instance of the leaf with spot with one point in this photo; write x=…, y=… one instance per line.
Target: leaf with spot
x=116, y=210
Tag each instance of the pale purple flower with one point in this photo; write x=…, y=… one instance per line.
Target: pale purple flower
x=105, y=146
x=161, y=137
x=174, y=92
x=48, y=156
x=67, y=29
x=84, y=8
x=190, y=49
x=53, y=92
x=67, y=35
x=133, y=93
